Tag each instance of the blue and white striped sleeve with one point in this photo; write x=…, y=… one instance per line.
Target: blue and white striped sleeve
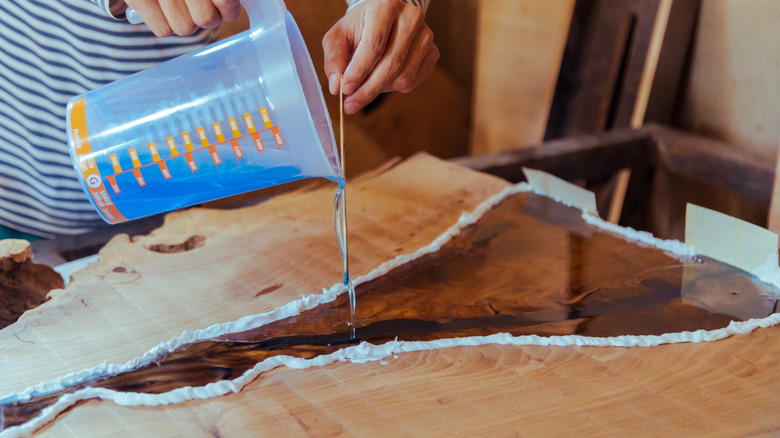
x=419, y=3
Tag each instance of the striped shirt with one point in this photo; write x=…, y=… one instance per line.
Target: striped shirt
x=50, y=51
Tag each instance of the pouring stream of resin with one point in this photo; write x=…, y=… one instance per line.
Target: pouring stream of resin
x=529, y=266
x=340, y=217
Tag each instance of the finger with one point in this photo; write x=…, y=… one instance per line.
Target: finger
x=393, y=62
x=153, y=16
x=367, y=93
x=426, y=67
x=370, y=47
x=204, y=14
x=229, y=10
x=178, y=15
x=419, y=63
x=408, y=35
x=337, y=48
x=362, y=97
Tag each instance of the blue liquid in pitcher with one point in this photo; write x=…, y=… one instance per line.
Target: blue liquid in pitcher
x=174, y=172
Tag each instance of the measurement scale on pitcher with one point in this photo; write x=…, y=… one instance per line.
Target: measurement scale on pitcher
x=194, y=154
x=183, y=149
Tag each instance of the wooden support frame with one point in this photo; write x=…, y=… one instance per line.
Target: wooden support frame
x=644, y=151
x=614, y=51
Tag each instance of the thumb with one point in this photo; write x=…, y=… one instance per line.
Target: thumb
x=338, y=51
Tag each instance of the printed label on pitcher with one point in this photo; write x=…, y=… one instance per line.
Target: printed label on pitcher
x=89, y=170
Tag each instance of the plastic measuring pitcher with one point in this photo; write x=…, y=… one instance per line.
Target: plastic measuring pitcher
x=239, y=115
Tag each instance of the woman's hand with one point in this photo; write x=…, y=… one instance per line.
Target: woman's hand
x=380, y=46
x=183, y=17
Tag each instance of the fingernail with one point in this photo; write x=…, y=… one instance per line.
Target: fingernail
x=351, y=107
x=349, y=88
x=333, y=80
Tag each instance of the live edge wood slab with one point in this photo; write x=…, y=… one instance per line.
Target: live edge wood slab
x=24, y=285
x=204, y=267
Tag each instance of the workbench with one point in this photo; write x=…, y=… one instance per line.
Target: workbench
x=206, y=267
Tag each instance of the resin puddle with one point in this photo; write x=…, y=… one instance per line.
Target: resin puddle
x=529, y=266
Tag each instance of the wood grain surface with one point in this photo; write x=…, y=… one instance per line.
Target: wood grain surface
x=727, y=388
x=724, y=388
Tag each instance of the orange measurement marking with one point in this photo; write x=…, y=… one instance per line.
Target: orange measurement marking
x=115, y=163
x=277, y=136
x=250, y=125
x=164, y=169
x=236, y=148
x=134, y=157
x=79, y=134
x=113, y=184
x=258, y=142
x=215, y=155
x=154, y=151
x=266, y=118
x=88, y=168
x=191, y=162
x=172, y=147
x=218, y=132
x=139, y=177
x=187, y=141
x=204, y=141
x=234, y=128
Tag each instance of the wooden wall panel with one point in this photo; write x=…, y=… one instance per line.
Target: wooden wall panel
x=733, y=91
x=519, y=49
x=733, y=88
x=454, y=25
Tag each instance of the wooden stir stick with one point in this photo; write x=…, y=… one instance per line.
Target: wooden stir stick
x=341, y=125
x=344, y=174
